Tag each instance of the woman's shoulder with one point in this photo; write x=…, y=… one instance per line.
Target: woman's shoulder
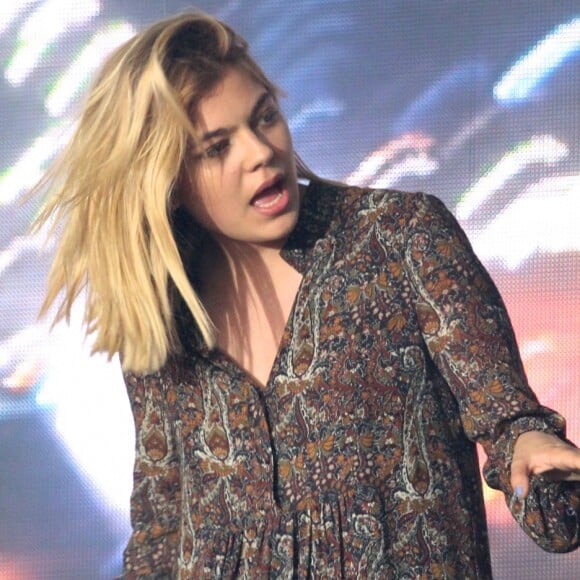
x=395, y=209
x=176, y=366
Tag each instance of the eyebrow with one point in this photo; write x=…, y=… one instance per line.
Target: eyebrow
x=227, y=130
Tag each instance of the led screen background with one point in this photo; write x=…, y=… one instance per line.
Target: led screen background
x=473, y=101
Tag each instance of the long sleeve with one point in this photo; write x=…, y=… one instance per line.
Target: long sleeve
x=469, y=336
x=155, y=502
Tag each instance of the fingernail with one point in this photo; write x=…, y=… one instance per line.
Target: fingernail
x=519, y=491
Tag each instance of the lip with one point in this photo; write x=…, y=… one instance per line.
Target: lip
x=279, y=204
x=277, y=179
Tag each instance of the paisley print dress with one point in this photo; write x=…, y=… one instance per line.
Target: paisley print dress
x=357, y=459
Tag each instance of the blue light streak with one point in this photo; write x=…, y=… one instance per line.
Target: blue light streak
x=528, y=74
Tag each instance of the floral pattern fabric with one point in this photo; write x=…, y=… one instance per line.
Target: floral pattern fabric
x=357, y=459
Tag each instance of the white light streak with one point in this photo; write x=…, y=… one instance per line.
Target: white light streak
x=539, y=149
x=417, y=165
x=530, y=348
x=518, y=83
x=319, y=108
x=21, y=245
x=102, y=441
x=10, y=10
x=30, y=167
x=544, y=218
x=417, y=143
x=468, y=131
x=26, y=339
x=71, y=83
x=21, y=359
x=50, y=21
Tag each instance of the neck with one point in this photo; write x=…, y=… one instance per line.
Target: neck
x=251, y=258
x=240, y=267
x=248, y=293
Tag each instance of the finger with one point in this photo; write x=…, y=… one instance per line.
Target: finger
x=520, y=478
x=562, y=475
x=562, y=463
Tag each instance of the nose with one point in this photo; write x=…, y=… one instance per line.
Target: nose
x=259, y=152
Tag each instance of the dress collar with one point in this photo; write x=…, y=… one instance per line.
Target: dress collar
x=318, y=211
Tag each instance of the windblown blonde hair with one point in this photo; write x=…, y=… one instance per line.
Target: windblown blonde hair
x=111, y=188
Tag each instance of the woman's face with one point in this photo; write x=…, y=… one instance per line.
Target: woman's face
x=242, y=185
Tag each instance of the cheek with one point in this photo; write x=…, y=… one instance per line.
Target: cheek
x=206, y=203
x=283, y=138
x=214, y=179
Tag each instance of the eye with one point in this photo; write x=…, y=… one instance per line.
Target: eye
x=269, y=116
x=217, y=149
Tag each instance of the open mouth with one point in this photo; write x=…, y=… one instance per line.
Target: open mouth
x=269, y=195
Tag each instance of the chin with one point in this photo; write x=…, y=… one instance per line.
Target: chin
x=277, y=239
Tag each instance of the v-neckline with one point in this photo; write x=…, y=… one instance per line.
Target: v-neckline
x=316, y=213
x=220, y=356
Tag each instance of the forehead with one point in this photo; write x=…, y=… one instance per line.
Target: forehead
x=234, y=96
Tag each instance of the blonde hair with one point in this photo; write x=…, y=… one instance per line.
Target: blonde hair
x=111, y=188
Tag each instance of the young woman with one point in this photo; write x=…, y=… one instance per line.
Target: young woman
x=309, y=367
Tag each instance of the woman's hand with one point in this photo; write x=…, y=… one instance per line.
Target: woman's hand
x=536, y=452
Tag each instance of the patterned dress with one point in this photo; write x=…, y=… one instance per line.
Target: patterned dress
x=357, y=459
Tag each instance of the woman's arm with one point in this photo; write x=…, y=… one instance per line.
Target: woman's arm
x=470, y=338
x=156, y=499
